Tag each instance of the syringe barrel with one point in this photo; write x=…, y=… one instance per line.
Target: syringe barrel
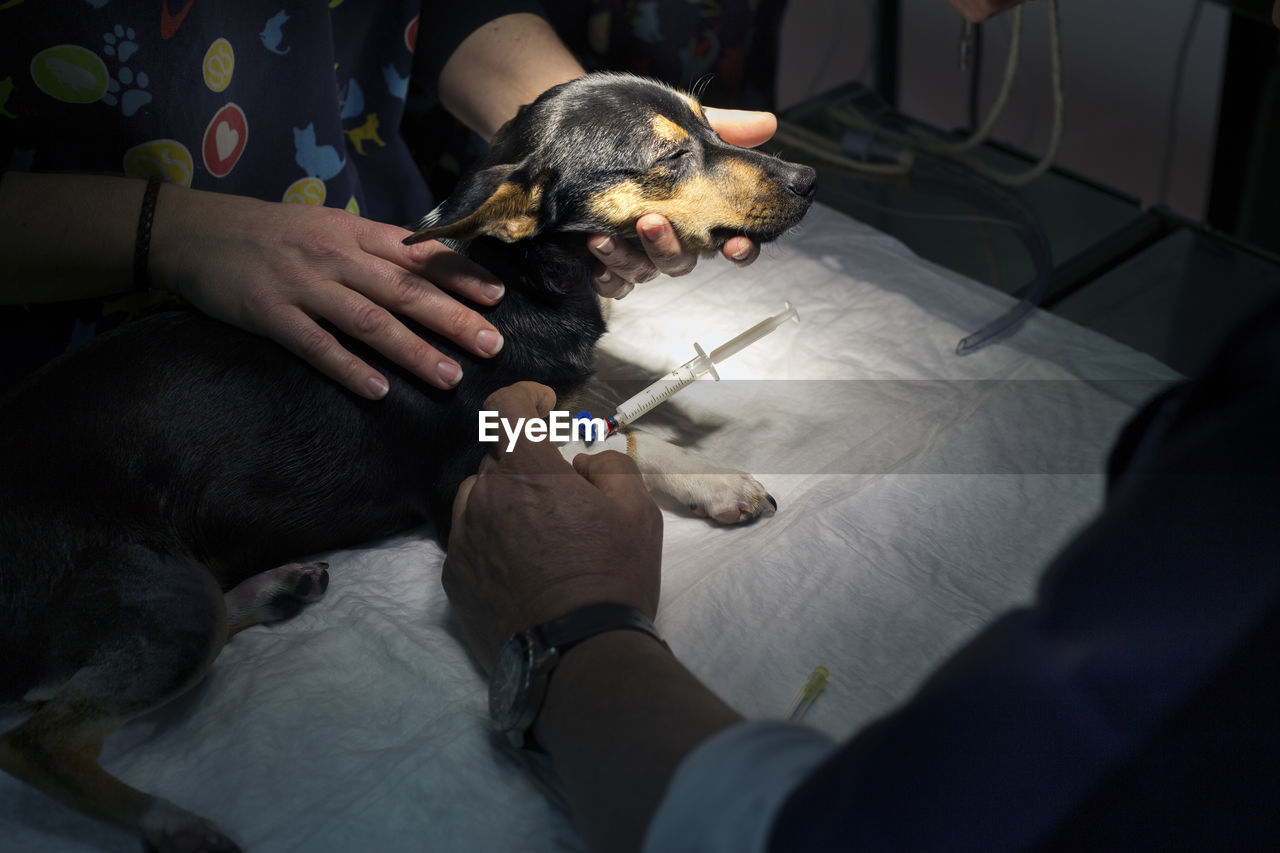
x=657, y=392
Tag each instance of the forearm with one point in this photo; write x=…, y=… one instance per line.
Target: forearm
x=620, y=714
x=67, y=237
x=506, y=63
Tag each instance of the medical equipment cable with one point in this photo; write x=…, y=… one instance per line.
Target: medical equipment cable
x=974, y=67
x=957, y=178
x=963, y=146
x=887, y=153
x=967, y=218
x=954, y=178
x=1002, y=98
x=1171, y=121
x=889, y=161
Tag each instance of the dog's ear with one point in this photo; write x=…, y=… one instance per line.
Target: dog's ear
x=501, y=201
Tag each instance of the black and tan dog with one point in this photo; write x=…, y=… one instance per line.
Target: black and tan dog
x=152, y=471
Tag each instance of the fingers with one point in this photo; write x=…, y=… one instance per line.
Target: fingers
x=741, y=251
x=604, y=463
x=741, y=127
x=291, y=327
x=450, y=270
x=662, y=246
x=368, y=321
x=516, y=405
x=460, y=500
x=367, y=291
x=620, y=266
x=623, y=266
x=615, y=475
x=418, y=281
x=748, y=129
x=522, y=400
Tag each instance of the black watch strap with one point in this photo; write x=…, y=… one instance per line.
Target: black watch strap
x=567, y=631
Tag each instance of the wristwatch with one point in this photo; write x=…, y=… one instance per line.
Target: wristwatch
x=525, y=663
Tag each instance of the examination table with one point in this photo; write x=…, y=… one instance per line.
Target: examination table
x=919, y=494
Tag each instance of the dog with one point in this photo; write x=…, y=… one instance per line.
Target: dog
x=150, y=480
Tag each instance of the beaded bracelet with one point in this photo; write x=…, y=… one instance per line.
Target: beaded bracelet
x=142, y=243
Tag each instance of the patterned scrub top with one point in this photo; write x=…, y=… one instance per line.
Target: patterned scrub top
x=299, y=103
x=293, y=100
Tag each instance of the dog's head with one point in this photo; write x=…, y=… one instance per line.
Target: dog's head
x=597, y=153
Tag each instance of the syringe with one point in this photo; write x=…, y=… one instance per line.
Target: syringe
x=686, y=373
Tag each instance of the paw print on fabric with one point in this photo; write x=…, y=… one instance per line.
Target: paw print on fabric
x=127, y=88
x=120, y=43
x=130, y=100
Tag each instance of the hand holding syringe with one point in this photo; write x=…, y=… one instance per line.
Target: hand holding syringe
x=686, y=373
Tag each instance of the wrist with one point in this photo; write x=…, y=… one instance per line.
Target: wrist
x=169, y=233
x=527, y=661
x=188, y=225
x=619, y=716
x=590, y=670
x=142, y=235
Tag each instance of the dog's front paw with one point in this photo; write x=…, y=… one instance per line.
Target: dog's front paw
x=707, y=489
x=730, y=497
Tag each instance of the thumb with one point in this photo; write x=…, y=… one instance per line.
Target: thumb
x=742, y=127
x=460, y=500
x=614, y=474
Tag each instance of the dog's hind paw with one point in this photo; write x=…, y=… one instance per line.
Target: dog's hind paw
x=729, y=497
x=276, y=594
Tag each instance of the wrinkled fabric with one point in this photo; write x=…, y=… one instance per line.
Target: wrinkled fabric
x=920, y=494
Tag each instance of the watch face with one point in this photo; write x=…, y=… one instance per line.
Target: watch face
x=509, y=687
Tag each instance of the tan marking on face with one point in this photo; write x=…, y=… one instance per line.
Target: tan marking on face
x=665, y=128
x=738, y=196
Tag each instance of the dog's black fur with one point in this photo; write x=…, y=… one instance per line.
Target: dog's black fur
x=150, y=470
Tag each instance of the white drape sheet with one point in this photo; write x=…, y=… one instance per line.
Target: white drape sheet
x=920, y=493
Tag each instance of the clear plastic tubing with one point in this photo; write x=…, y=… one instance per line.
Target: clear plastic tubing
x=701, y=364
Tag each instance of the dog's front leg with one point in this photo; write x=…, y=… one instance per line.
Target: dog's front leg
x=707, y=489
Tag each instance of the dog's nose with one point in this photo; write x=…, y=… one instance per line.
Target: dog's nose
x=804, y=182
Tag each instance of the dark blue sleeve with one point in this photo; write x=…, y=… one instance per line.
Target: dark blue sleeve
x=1137, y=703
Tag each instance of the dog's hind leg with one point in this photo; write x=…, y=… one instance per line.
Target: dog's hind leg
x=135, y=630
x=275, y=594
